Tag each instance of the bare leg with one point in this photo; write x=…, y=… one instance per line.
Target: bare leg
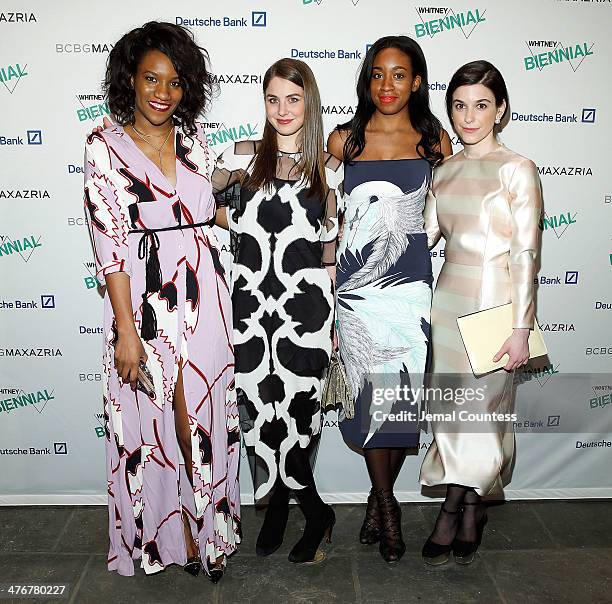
x=183, y=435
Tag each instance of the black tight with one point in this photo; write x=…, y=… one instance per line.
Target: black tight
x=298, y=465
x=384, y=466
x=459, y=515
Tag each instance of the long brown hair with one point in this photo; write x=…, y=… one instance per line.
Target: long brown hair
x=311, y=166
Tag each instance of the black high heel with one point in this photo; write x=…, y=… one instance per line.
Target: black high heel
x=216, y=574
x=434, y=553
x=193, y=566
x=464, y=552
x=272, y=531
x=370, y=529
x=306, y=550
x=392, y=546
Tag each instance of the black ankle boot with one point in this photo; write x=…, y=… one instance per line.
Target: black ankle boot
x=370, y=529
x=320, y=520
x=392, y=546
x=272, y=531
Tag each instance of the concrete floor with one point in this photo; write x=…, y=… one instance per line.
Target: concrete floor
x=549, y=551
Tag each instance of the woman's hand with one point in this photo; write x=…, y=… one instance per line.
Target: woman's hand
x=517, y=349
x=107, y=124
x=129, y=351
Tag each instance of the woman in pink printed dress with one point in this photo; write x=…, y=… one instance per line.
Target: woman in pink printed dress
x=173, y=453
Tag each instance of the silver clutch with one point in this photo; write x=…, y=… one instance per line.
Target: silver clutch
x=336, y=390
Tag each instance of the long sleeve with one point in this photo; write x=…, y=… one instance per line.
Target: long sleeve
x=329, y=230
x=229, y=171
x=106, y=217
x=525, y=206
x=430, y=214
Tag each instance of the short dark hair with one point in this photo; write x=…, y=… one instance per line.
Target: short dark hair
x=477, y=72
x=190, y=61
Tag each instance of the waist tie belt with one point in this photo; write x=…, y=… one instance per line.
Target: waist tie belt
x=148, y=248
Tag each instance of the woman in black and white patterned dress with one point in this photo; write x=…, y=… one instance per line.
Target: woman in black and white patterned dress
x=281, y=198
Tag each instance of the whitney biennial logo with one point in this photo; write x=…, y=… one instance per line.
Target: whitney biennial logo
x=556, y=52
x=24, y=246
x=541, y=374
x=446, y=20
x=89, y=111
x=20, y=398
x=558, y=223
x=11, y=75
x=318, y=2
x=225, y=134
x=91, y=282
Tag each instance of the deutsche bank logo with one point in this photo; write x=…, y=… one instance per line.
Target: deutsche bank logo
x=571, y=277
x=588, y=116
x=34, y=137
x=258, y=18
x=60, y=448
x=47, y=301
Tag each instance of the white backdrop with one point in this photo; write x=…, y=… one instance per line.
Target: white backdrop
x=52, y=58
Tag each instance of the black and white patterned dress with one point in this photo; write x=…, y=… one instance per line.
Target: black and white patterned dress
x=283, y=303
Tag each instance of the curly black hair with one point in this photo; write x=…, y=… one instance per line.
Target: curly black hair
x=190, y=61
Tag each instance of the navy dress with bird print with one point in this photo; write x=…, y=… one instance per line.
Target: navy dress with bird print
x=384, y=281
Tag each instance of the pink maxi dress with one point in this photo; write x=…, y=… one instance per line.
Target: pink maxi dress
x=134, y=214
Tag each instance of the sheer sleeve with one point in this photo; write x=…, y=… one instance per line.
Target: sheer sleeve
x=230, y=169
x=329, y=230
x=526, y=207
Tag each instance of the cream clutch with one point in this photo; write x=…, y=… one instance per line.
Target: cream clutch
x=485, y=331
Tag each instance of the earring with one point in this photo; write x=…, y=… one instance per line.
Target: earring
x=497, y=120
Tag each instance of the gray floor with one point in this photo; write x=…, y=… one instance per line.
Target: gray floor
x=556, y=551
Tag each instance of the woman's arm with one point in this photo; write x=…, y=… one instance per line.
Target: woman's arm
x=446, y=147
x=129, y=350
x=526, y=207
x=106, y=218
x=430, y=215
x=221, y=218
x=335, y=143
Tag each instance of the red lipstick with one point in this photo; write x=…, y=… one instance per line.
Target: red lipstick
x=160, y=107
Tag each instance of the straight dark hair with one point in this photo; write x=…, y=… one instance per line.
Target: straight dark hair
x=311, y=166
x=478, y=72
x=421, y=116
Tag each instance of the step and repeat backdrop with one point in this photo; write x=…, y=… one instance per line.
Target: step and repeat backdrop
x=555, y=56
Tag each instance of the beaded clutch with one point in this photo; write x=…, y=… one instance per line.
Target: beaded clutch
x=336, y=390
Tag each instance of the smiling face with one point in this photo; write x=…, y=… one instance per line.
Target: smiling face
x=392, y=81
x=285, y=106
x=474, y=113
x=157, y=89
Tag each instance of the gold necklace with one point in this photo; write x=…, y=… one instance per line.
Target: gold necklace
x=152, y=135
x=158, y=149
